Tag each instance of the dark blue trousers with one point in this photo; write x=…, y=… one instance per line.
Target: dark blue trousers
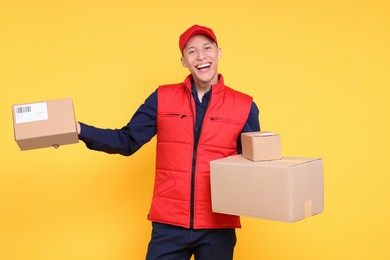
x=176, y=243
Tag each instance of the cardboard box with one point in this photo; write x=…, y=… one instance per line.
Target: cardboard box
x=261, y=146
x=44, y=124
x=284, y=190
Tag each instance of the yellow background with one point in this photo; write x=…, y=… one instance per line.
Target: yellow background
x=318, y=70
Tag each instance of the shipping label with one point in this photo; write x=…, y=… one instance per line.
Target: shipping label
x=31, y=112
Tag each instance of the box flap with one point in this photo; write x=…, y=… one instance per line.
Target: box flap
x=284, y=162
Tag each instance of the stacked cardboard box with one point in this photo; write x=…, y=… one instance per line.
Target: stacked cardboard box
x=261, y=146
x=261, y=183
x=44, y=124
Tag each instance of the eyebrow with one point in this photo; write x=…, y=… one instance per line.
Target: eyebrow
x=192, y=47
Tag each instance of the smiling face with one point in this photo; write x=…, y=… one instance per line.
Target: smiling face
x=200, y=56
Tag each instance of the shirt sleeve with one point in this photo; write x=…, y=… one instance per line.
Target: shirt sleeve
x=252, y=125
x=125, y=141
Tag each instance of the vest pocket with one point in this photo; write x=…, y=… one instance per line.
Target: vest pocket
x=175, y=115
x=164, y=182
x=225, y=120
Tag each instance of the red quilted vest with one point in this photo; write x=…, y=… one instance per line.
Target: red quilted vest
x=179, y=197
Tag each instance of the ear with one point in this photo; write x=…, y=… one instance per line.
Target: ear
x=183, y=62
x=219, y=53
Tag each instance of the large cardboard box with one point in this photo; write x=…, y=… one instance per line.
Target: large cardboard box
x=44, y=124
x=284, y=190
x=261, y=146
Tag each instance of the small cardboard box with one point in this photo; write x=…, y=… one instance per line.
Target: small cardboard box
x=284, y=190
x=44, y=124
x=261, y=146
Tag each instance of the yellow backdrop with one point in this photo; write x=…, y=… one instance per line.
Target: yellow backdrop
x=318, y=70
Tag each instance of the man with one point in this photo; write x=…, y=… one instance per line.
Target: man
x=195, y=121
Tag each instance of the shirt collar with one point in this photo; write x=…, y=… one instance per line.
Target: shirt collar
x=206, y=96
x=216, y=87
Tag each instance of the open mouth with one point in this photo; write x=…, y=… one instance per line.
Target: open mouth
x=203, y=66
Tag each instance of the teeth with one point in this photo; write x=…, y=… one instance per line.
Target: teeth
x=204, y=66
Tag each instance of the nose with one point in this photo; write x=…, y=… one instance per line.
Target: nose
x=201, y=55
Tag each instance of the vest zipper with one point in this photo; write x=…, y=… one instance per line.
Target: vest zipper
x=194, y=156
x=192, y=198
x=193, y=167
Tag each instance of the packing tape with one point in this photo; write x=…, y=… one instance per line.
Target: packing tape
x=308, y=208
x=265, y=134
x=296, y=161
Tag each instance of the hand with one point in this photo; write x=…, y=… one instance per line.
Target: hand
x=78, y=128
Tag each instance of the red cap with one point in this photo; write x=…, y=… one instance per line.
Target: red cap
x=195, y=30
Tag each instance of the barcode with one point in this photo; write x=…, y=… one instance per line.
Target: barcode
x=25, y=109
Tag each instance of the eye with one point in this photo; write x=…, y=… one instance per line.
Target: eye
x=208, y=47
x=191, y=51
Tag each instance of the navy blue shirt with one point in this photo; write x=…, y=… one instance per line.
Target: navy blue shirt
x=143, y=127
